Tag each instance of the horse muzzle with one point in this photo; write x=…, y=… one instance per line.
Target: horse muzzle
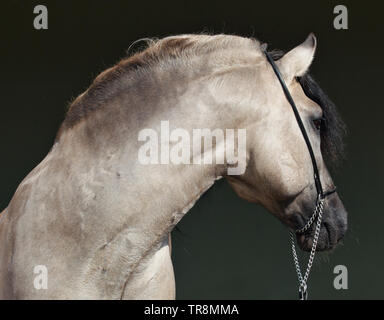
x=333, y=227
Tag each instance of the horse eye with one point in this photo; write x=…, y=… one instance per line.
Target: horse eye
x=318, y=123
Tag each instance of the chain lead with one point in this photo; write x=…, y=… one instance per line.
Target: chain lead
x=318, y=212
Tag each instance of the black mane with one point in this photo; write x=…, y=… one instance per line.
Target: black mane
x=333, y=131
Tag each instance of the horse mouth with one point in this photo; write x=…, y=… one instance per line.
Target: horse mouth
x=327, y=238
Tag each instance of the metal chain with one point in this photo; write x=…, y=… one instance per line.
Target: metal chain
x=318, y=212
x=310, y=221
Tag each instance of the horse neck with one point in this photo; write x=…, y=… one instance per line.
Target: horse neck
x=144, y=202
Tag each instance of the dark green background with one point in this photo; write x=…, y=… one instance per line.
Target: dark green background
x=227, y=248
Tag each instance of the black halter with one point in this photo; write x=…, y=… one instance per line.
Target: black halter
x=318, y=184
x=321, y=195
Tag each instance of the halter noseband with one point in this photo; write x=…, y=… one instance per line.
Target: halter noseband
x=321, y=195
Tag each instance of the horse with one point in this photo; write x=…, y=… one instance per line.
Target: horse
x=98, y=217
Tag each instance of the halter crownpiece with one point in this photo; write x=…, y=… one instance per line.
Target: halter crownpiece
x=321, y=195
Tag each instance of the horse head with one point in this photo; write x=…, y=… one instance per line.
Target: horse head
x=279, y=173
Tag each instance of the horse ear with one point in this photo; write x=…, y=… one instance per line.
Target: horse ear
x=296, y=62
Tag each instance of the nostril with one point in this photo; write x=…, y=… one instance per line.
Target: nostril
x=332, y=235
x=340, y=236
x=342, y=231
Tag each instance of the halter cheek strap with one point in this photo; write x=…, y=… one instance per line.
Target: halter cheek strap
x=321, y=195
x=319, y=187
